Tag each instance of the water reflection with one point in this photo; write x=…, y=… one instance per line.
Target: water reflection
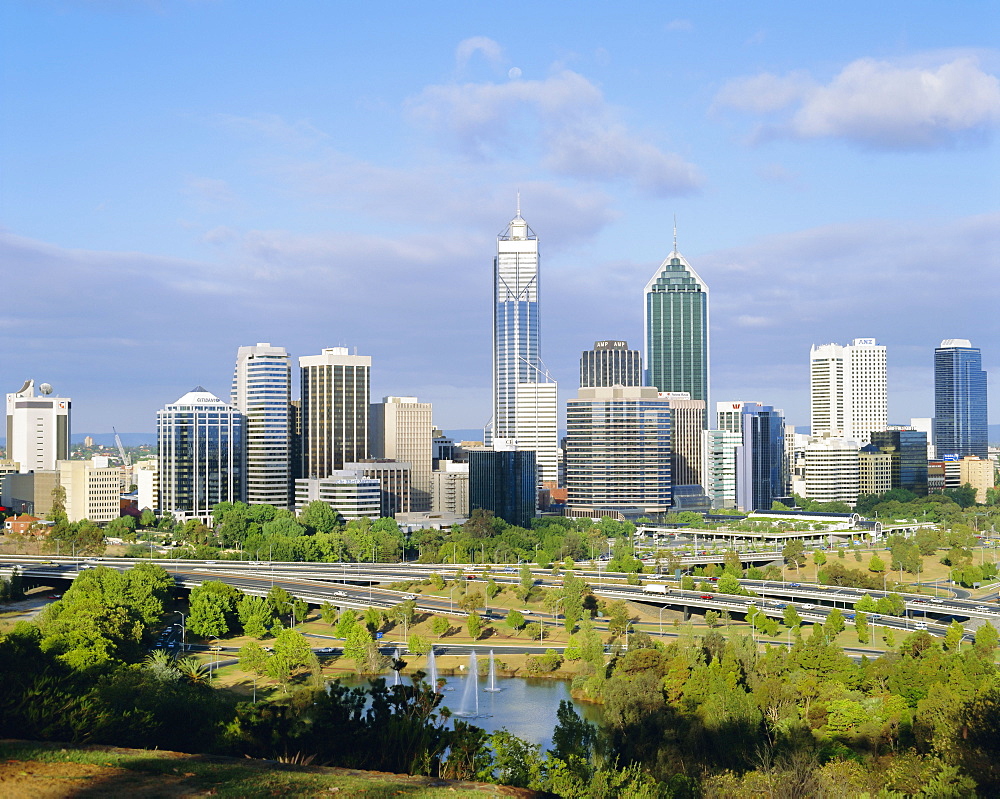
x=524, y=706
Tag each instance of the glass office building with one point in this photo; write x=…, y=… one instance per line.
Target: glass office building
x=504, y=483
x=960, y=421
x=262, y=386
x=525, y=397
x=760, y=458
x=676, y=325
x=908, y=449
x=202, y=457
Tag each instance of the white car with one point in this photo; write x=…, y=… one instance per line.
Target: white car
x=982, y=609
x=920, y=626
x=340, y=593
x=937, y=600
x=808, y=606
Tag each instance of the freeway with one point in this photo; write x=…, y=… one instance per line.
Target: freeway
x=318, y=583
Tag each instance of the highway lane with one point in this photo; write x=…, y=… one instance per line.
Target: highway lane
x=319, y=583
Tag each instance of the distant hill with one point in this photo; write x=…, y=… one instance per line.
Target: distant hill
x=108, y=439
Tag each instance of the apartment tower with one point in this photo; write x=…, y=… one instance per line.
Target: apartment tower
x=847, y=389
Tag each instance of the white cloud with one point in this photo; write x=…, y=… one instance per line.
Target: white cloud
x=565, y=118
x=488, y=48
x=680, y=25
x=764, y=93
x=877, y=104
x=299, y=134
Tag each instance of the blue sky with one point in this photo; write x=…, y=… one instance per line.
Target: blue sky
x=180, y=178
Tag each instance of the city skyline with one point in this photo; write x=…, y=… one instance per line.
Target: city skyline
x=317, y=182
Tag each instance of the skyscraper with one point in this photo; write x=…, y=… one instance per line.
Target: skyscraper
x=201, y=455
x=610, y=363
x=687, y=425
x=760, y=458
x=335, y=399
x=262, y=385
x=402, y=429
x=618, y=453
x=38, y=428
x=525, y=397
x=959, y=399
x=847, y=389
x=675, y=318
x=504, y=481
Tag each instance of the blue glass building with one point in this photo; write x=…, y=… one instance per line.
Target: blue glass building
x=760, y=458
x=505, y=483
x=960, y=423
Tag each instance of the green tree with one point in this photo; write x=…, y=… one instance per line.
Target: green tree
x=255, y=614
x=729, y=584
x=953, y=636
x=834, y=624
x=474, y=625
x=711, y=618
x=515, y=620
x=861, y=626
x=208, y=615
x=794, y=553
x=791, y=618
x=346, y=623
x=147, y=518
x=865, y=604
x=527, y=581
x=986, y=641
x=418, y=644
x=328, y=612
x=440, y=626
x=253, y=658
x=876, y=564
x=319, y=517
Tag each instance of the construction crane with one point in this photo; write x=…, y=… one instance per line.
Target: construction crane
x=126, y=460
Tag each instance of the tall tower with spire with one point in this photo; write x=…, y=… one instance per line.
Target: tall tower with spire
x=675, y=318
x=525, y=397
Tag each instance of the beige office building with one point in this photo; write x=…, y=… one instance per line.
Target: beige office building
x=401, y=429
x=93, y=490
x=979, y=473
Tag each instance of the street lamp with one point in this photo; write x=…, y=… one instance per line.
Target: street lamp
x=183, y=630
x=660, y=619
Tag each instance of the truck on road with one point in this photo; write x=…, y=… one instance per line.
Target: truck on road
x=654, y=588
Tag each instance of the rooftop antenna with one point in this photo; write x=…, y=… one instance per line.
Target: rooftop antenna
x=519, y=203
x=675, y=232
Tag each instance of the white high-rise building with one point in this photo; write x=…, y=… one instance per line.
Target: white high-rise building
x=831, y=470
x=262, y=385
x=38, y=428
x=525, y=397
x=402, y=429
x=201, y=455
x=847, y=388
x=335, y=399
x=347, y=491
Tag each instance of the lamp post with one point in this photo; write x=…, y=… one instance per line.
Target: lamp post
x=183, y=630
x=660, y=619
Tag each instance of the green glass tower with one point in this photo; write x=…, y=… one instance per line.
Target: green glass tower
x=676, y=322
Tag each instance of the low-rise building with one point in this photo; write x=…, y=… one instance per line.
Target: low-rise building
x=92, y=492
x=348, y=492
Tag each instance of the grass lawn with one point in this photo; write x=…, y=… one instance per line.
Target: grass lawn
x=57, y=770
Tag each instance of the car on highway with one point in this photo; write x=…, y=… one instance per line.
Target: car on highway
x=808, y=606
x=706, y=596
x=918, y=601
x=982, y=609
x=325, y=650
x=795, y=585
x=340, y=593
x=409, y=596
x=937, y=600
x=920, y=625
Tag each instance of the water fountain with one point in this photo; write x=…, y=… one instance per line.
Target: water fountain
x=432, y=670
x=469, y=708
x=492, y=687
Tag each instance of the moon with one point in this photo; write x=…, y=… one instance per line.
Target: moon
x=514, y=73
